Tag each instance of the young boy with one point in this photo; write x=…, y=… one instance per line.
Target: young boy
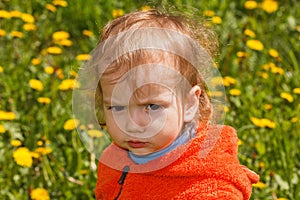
x=154, y=71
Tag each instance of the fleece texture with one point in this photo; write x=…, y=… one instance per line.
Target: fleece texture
x=206, y=167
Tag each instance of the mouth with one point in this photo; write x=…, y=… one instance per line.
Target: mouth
x=136, y=144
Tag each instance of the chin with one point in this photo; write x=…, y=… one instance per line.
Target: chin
x=140, y=153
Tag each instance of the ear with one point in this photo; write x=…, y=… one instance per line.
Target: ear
x=191, y=104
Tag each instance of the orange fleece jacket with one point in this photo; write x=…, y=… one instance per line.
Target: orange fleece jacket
x=206, y=167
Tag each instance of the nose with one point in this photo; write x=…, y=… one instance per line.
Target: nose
x=138, y=120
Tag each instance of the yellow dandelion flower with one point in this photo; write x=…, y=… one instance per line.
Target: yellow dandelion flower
x=296, y=90
x=240, y=142
x=235, y=92
x=271, y=64
x=273, y=53
x=249, y=33
x=226, y=109
x=15, y=14
x=229, y=81
x=242, y=54
x=28, y=18
x=73, y=73
x=16, y=34
x=60, y=35
x=1, y=69
x=7, y=115
x=83, y=57
x=16, y=143
x=264, y=75
x=36, y=61
x=44, y=100
x=209, y=13
x=269, y=6
x=266, y=67
x=261, y=164
x=59, y=73
x=226, y=83
x=68, y=84
x=2, y=32
x=36, y=84
x=40, y=143
x=29, y=27
x=277, y=70
x=287, y=96
x=294, y=119
x=84, y=171
x=215, y=93
x=39, y=194
x=255, y=45
x=250, y=5
x=43, y=52
x=262, y=123
x=50, y=7
x=259, y=185
x=267, y=123
x=60, y=3
x=5, y=14
x=268, y=106
x=95, y=133
x=145, y=8
x=117, y=13
x=71, y=124
x=34, y=155
x=87, y=33
x=43, y=150
x=22, y=157
x=2, y=129
x=216, y=20
x=281, y=198
x=54, y=50
x=66, y=43
x=49, y=70
x=256, y=121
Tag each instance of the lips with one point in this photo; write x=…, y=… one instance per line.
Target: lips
x=137, y=144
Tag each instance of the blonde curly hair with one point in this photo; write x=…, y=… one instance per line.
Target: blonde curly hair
x=154, y=18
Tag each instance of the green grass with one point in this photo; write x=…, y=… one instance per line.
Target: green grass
x=68, y=172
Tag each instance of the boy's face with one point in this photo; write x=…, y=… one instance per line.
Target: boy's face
x=143, y=111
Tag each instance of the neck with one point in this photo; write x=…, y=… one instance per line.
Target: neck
x=183, y=138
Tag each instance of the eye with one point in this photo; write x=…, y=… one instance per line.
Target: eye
x=116, y=108
x=153, y=107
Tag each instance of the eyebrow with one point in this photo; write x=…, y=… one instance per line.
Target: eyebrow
x=159, y=99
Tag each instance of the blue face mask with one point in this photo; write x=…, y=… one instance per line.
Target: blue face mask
x=182, y=139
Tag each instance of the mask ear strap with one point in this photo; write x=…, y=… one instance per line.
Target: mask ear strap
x=191, y=104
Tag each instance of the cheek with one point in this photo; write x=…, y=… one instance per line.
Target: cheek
x=175, y=117
x=110, y=123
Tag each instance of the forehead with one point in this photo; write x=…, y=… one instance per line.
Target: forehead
x=142, y=81
x=143, y=66
x=157, y=58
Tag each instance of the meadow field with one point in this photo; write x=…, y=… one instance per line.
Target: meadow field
x=43, y=43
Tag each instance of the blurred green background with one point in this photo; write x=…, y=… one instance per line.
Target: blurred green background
x=43, y=43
